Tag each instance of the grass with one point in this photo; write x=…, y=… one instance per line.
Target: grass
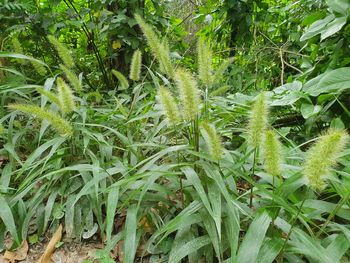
x=125, y=163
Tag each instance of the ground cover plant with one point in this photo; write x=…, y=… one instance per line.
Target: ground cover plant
x=170, y=137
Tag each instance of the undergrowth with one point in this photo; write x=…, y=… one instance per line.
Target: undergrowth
x=157, y=170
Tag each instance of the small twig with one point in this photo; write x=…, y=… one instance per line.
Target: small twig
x=282, y=65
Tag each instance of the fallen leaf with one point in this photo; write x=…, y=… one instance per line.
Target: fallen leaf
x=17, y=255
x=116, y=44
x=46, y=257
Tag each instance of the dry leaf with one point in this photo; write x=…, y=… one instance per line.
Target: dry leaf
x=18, y=254
x=46, y=257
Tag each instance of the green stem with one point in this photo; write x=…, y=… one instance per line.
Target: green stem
x=253, y=172
x=280, y=257
x=331, y=215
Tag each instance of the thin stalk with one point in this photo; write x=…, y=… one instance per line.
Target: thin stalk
x=196, y=139
x=253, y=172
x=280, y=256
x=331, y=215
x=206, y=102
x=182, y=199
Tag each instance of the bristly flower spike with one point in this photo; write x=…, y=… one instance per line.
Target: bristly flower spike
x=169, y=105
x=57, y=122
x=204, y=63
x=322, y=156
x=65, y=96
x=258, y=121
x=272, y=154
x=135, y=67
x=72, y=77
x=212, y=140
x=189, y=94
x=62, y=51
x=159, y=48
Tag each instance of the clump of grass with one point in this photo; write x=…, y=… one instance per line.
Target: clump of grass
x=169, y=105
x=135, y=67
x=322, y=156
x=189, y=94
x=63, y=127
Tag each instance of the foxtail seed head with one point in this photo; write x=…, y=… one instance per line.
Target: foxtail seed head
x=124, y=84
x=135, y=67
x=322, y=156
x=159, y=49
x=73, y=79
x=258, y=121
x=57, y=122
x=212, y=140
x=40, y=69
x=62, y=51
x=65, y=96
x=169, y=105
x=189, y=94
x=273, y=154
x=50, y=95
x=204, y=63
x=17, y=47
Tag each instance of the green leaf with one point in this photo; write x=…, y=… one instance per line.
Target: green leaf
x=182, y=251
x=339, y=6
x=112, y=202
x=130, y=235
x=333, y=27
x=14, y=55
x=334, y=81
x=8, y=219
x=307, y=110
x=253, y=240
x=316, y=28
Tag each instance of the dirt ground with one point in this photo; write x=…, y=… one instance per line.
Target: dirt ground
x=67, y=253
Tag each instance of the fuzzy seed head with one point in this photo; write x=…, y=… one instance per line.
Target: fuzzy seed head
x=124, y=84
x=212, y=140
x=65, y=96
x=17, y=47
x=135, y=67
x=189, y=94
x=50, y=95
x=169, y=106
x=204, y=63
x=220, y=91
x=40, y=69
x=62, y=51
x=73, y=79
x=57, y=122
x=322, y=156
x=273, y=154
x=159, y=49
x=258, y=121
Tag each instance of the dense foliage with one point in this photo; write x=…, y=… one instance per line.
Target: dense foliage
x=193, y=131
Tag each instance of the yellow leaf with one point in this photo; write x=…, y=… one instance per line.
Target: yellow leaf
x=19, y=254
x=46, y=257
x=116, y=44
